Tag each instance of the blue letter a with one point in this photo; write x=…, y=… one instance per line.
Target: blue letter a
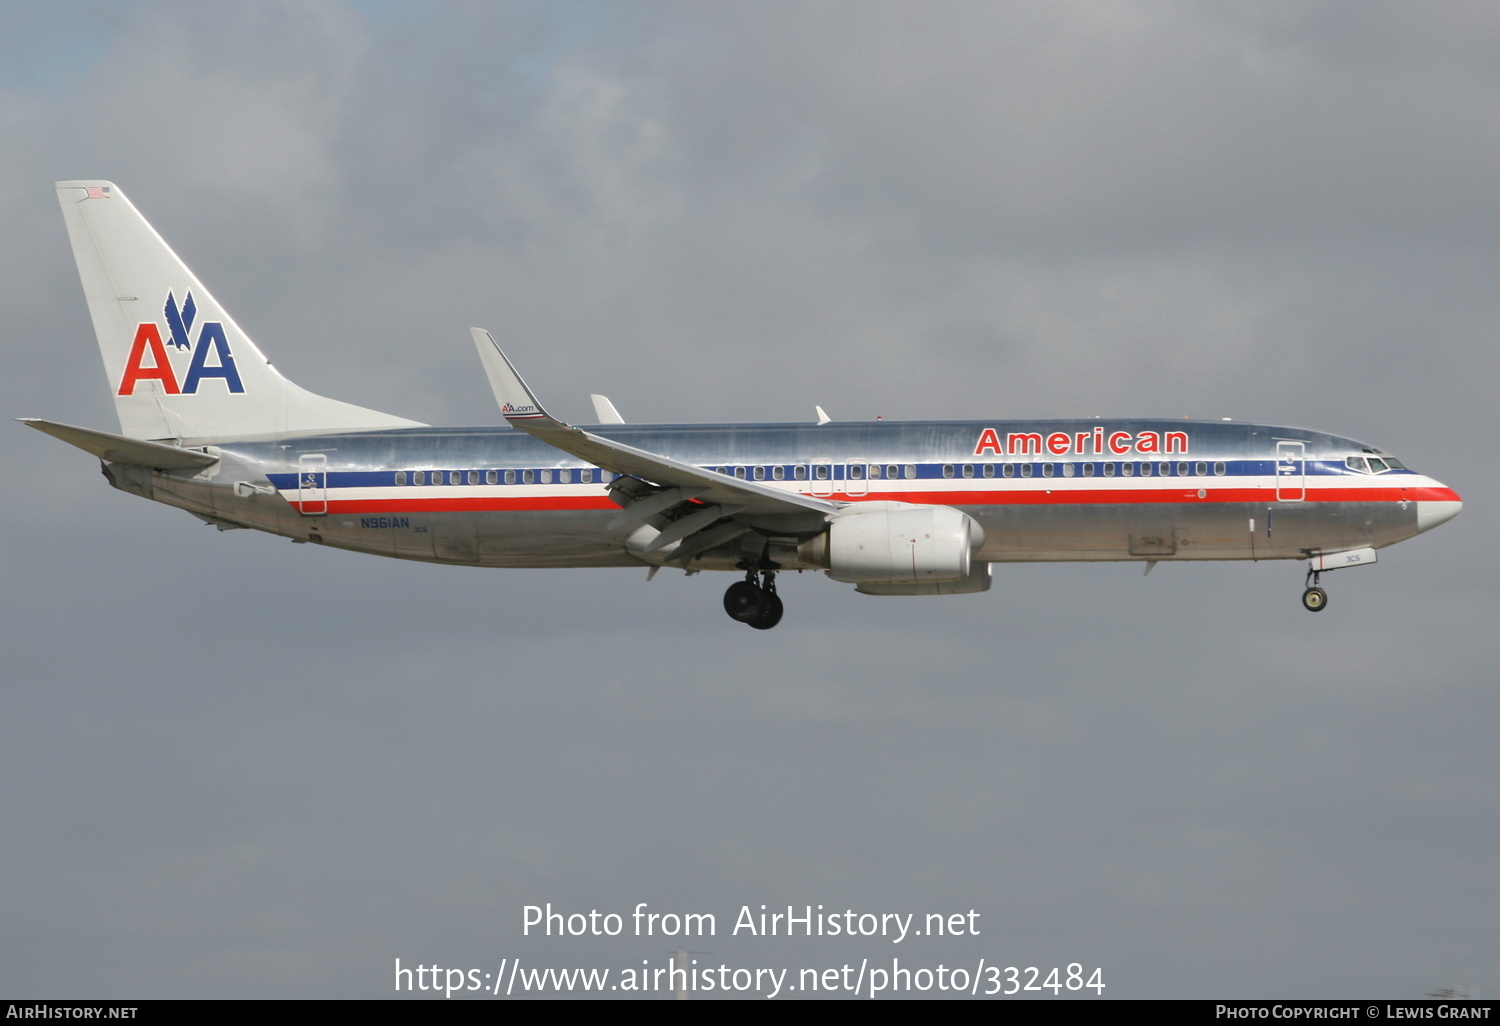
x=213, y=332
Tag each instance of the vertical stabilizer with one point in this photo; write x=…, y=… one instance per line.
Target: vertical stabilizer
x=179, y=367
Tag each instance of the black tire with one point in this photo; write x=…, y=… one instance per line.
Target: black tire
x=770, y=614
x=743, y=601
x=1315, y=600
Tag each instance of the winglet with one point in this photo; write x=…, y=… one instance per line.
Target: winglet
x=515, y=399
x=605, y=410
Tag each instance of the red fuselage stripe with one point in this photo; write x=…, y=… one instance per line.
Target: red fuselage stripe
x=1062, y=496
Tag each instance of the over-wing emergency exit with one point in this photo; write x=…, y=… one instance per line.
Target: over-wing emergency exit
x=913, y=508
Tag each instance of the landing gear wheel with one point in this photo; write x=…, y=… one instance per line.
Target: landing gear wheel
x=744, y=601
x=770, y=614
x=1314, y=600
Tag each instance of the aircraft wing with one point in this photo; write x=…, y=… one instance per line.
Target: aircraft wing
x=521, y=409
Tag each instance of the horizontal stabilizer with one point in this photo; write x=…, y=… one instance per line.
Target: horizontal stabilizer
x=119, y=449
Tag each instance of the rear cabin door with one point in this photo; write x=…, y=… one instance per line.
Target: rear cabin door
x=312, y=484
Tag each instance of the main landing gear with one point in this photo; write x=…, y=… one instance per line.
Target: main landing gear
x=754, y=600
x=1314, y=598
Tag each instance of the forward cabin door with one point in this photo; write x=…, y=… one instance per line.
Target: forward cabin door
x=1291, y=471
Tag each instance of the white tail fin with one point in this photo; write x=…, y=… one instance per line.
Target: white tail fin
x=179, y=366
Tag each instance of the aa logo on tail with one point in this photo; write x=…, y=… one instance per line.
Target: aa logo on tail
x=148, y=344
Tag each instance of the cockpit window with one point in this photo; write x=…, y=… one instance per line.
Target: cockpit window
x=1373, y=464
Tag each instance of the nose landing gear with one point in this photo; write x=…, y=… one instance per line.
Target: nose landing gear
x=1314, y=598
x=754, y=600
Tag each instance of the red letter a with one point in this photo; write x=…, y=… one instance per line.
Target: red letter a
x=147, y=336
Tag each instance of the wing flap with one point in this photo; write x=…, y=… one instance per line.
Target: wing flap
x=691, y=524
x=707, y=539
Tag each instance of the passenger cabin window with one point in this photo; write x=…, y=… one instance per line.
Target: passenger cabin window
x=821, y=471
x=1202, y=470
x=874, y=472
x=1127, y=469
x=528, y=476
x=739, y=472
x=1067, y=470
x=1010, y=470
x=1220, y=469
x=1026, y=470
x=968, y=470
x=1109, y=470
x=546, y=476
x=401, y=477
x=586, y=475
x=564, y=477
x=473, y=477
x=1182, y=469
x=910, y=471
x=778, y=473
x=800, y=473
x=856, y=472
x=989, y=470
x=510, y=477
x=1088, y=470
x=1047, y=470
x=947, y=470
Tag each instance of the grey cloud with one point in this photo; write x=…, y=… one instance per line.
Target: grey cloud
x=238, y=767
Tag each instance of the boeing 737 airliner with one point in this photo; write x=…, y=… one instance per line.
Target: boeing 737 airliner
x=918, y=508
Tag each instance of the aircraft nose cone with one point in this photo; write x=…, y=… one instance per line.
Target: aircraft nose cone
x=1431, y=512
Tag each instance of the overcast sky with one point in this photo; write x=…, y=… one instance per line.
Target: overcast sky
x=233, y=766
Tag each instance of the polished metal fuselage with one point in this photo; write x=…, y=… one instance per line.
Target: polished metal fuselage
x=493, y=496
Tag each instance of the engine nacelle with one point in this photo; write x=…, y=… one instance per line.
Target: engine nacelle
x=977, y=581
x=897, y=543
